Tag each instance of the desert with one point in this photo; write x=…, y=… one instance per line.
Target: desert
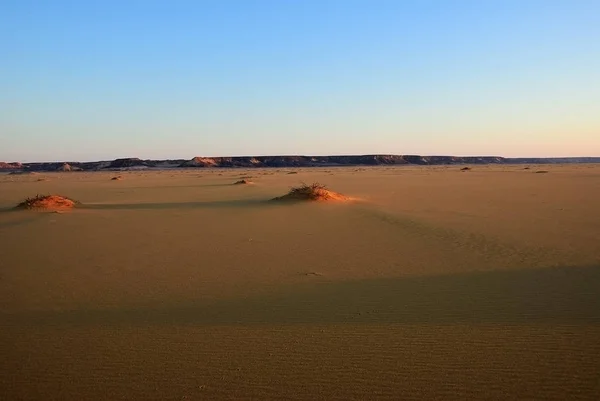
x=412, y=282
x=299, y=200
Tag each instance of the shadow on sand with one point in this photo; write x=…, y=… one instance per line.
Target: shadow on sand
x=176, y=205
x=18, y=216
x=167, y=187
x=568, y=295
x=22, y=221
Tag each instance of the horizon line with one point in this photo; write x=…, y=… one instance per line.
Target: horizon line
x=299, y=155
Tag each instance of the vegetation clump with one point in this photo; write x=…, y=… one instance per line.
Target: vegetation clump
x=48, y=202
x=312, y=192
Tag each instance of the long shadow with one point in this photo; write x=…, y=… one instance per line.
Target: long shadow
x=23, y=221
x=176, y=205
x=569, y=295
x=20, y=216
x=467, y=239
x=241, y=203
x=166, y=187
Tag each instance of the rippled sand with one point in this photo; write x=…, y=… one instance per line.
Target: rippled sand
x=438, y=283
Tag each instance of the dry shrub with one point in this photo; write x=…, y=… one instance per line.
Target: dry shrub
x=48, y=202
x=243, y=182
x=312, y=192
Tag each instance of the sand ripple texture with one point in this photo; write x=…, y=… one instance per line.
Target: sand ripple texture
x=431, y=284
x=303, y=362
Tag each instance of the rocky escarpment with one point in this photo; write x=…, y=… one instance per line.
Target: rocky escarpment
x=134, y=163
x=10, y=166
x=315, y=161
x=551, y=160
x=128, y=163
x=118, y=164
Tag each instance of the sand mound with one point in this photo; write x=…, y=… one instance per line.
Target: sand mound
x=48, y=202
x=541, y=172
x=243, y=182
x=117, y=178
x=313, y=192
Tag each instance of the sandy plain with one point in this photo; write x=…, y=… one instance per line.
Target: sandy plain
x=176, y=284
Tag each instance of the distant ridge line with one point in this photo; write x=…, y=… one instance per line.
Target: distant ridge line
x=286, y=161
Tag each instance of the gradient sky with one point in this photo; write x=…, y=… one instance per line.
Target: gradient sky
x=89, y=80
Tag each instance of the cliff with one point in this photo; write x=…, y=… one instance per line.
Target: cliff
x=284, y=161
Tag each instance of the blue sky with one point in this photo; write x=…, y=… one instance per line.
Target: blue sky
x=90, y=80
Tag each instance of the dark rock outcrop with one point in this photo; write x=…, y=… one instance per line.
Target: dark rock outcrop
x=68, y=167
x=551, y=160
x=315, y=161
x=10, y=166
x=285, y=161
x=127, y=163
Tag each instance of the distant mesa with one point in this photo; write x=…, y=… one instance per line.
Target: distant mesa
x=68, y=167
x=65, y=167
x=48, y=202
x=200, y=162
x=10, y=166
x=325, y=161
x=313, y=192
x=131, y=162
x=369, y=160
x=134, y=163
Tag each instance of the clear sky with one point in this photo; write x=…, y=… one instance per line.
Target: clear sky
x=90, y=80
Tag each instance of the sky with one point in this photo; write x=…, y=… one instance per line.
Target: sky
x=102, y=79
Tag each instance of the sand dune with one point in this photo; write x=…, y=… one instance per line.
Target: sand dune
x=438, y=284
x=47, y=202
x=313, y=192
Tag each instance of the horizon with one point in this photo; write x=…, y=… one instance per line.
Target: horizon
x=94, y=81
x=293, y=155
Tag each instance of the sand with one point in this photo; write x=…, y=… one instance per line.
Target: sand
x=175, y=284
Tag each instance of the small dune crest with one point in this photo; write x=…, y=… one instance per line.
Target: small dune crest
x=313, y=192
x=243, y=182
x=48, y=202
